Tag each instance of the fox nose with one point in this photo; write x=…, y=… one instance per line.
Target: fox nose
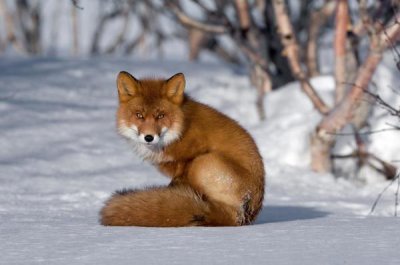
x=149, y=138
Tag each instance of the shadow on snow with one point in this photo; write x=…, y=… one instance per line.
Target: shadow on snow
x=274, y=214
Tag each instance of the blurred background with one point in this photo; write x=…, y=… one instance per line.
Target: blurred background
x=272, y=43
x=243, y=33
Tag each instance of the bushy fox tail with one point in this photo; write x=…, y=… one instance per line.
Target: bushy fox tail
x=170, y=206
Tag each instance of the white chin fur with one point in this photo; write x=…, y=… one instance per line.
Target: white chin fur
x=169, y=136
x=149, y=151
x=129, y=132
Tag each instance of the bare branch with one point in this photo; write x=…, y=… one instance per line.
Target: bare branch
x=342, y=21
x=190, y=22
x=11, y=27
x=387, y=169
x=365, y=18
x=322, y=141
x=384, y=104
x=364, y=157
x=137, y=41
x=121, y=36
x=205, y=7
x=291, y=48
x=318, y=19
x=196, y=40
x=100, y=28
x=367, y=133
x=340, y=116
x=248, y=30
x=390, y=34
x=261, y=80
x=242, y=9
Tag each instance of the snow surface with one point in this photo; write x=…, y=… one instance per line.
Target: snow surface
x=60, y=158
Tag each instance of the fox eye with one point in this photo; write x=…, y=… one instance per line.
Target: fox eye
x=139, y=115
x=160, y=116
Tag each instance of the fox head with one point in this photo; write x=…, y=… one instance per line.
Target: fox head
x=149, y=112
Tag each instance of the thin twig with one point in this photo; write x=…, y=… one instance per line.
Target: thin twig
x=366, y=133
x=76, y=4
x=383, y=103
x=380, y=195
x=379, y=101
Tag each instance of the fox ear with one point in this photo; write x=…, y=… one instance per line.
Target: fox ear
x=127, y=86
x=175, y=87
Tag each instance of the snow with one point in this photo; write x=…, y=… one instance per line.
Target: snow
x=60, y=158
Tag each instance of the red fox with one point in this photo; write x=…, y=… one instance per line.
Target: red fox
x=216, y=171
